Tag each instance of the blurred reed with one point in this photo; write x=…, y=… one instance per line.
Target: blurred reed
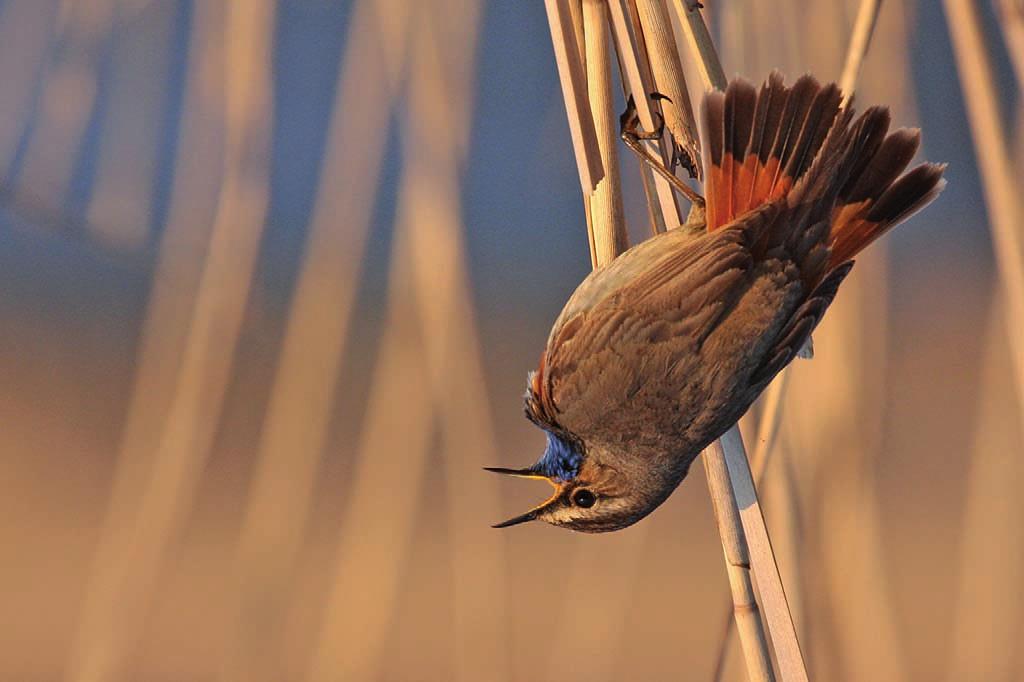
x=430, y=356
x=985, y=632
x=1011, y=20
x=156, y=480
x=992, y=145
x=81, y=35
x=990, y=530
x=120, y=207
x=830, y=448
x=297, y=420
x=26, y=32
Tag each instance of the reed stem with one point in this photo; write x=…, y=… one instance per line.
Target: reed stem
x=572, y=75
x=863, y=29
x=669, y=80
x=608, y=225
x=635, y=77
x=741, y=493
x=771, y=418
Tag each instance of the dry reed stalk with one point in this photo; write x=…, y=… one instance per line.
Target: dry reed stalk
x=133, y=545
x=607, y=220
x=771, y=417
x=67, y=99
x=767, y=431
x=589, y=653
x=297, y=420
x=703, y=48
x=737, y=560
x=664, y=209
x=572, y=75
x=999, y=179
x=576, y=14
x=431, y=357
x=565, y=18
x=669, y=79
x=863, y=29
x=738, y=489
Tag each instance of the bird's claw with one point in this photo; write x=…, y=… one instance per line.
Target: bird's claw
x=629, y=123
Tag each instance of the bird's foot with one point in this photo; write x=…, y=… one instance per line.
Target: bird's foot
x=634, y=138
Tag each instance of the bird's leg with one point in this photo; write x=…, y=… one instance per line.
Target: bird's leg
x=631, y=134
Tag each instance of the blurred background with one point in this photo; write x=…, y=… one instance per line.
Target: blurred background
x=272, y=274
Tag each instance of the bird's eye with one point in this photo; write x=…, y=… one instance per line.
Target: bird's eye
x=584, y=498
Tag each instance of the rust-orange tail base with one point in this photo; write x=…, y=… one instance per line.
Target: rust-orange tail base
x=796, y=143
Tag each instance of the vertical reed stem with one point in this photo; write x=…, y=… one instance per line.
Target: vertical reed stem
x=635, y=82
x=607, y=221
x=572, y=75
x=740, y=491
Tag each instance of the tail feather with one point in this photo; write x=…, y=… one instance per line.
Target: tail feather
x=762, y=141
x=841, y=178
x=881, y=164
x=902, y=199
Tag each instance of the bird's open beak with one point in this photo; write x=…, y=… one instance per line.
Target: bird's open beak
x=515, y=520
x=534, y=513
x=528, y=472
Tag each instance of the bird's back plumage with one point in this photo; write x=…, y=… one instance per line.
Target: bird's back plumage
x=660, y=351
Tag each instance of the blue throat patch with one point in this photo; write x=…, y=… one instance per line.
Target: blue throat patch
x=560, y=461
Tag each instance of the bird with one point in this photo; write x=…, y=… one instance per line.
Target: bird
x=657, y=353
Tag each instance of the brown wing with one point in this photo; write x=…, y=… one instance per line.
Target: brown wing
x=635, y=363
x=795, y=188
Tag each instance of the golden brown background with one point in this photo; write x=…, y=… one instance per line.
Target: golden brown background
x=271, y=277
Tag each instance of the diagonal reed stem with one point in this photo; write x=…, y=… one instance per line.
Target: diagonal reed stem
x=863, y=29
x=771, y=418
x=740, y=490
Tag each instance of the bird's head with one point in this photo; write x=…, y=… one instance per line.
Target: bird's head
x=592, y=494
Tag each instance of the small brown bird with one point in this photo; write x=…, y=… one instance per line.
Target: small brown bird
x=659, y=352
